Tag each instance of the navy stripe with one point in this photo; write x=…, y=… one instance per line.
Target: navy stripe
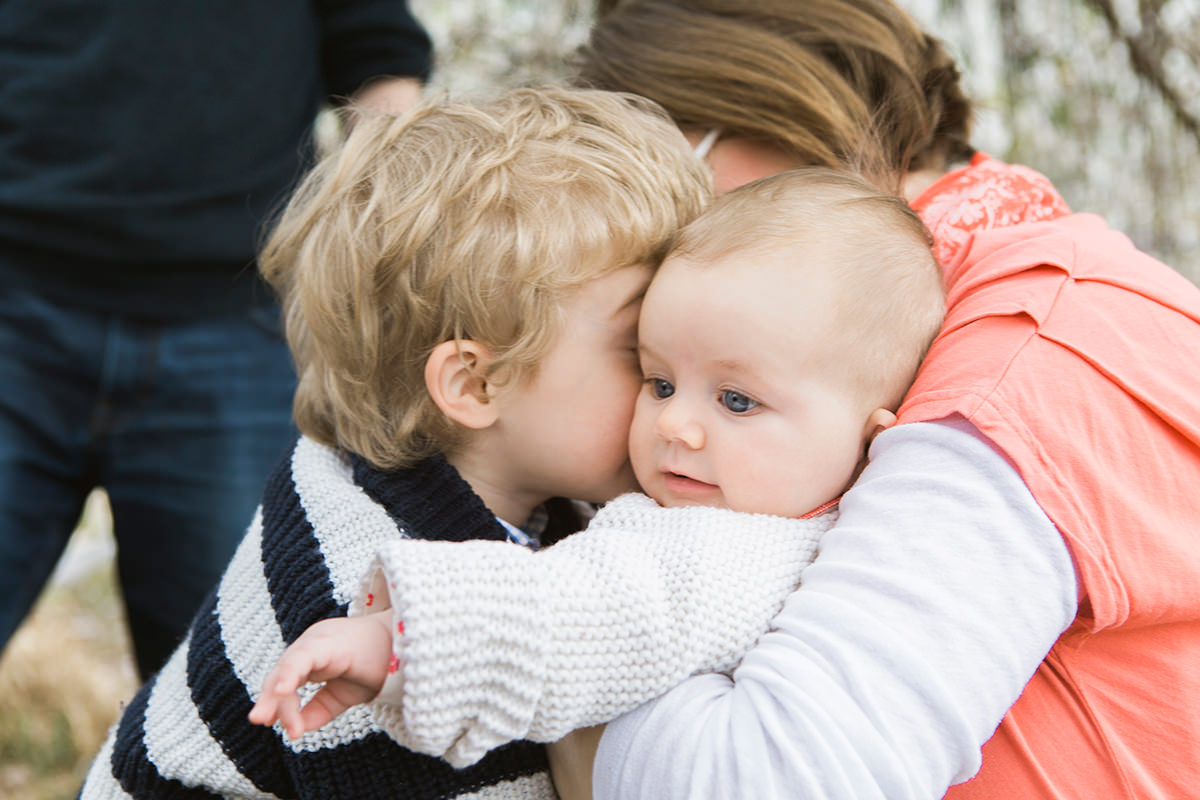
x=223, y=703
x=131, y=765
x=430, y=501
x=298, y=578
x=376, y=768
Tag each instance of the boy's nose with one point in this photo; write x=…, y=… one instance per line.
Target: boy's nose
x=676, y=424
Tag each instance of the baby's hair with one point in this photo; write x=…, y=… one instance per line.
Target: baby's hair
x=891, y=300
x=463, y=220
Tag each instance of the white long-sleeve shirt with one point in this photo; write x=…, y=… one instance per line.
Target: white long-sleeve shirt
x=932, y=602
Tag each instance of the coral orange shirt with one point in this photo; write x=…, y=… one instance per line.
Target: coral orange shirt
x=1079, y=357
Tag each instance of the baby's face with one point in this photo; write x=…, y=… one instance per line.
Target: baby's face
x=738, y=408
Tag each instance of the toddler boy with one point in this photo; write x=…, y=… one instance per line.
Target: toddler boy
x=462, y=287
x=777, y=339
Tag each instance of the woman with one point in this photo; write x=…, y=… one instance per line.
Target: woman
x=1073, y=356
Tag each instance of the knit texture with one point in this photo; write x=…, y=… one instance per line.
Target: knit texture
x=323, y=516
x=502, y=644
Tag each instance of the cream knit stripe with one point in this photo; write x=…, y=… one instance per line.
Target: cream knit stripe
x=253, y=642
x=100, y=783
x=177, y=740
x=241, y=597
x=349, y=525
x=642, y=599
x=527, y=787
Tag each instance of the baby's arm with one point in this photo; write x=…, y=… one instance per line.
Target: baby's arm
x=351, y=655
x=935, y=598
x=503, y=644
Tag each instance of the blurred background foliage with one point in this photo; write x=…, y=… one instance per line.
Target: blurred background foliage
x=1101, y=95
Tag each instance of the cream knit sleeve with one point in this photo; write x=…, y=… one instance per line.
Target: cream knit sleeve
x=501, y=643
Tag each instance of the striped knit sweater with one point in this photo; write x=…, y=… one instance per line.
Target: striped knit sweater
x=323, y=516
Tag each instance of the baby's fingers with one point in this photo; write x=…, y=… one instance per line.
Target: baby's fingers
x=279, y=700
x=296, y=667
x=277, y=704
x=321, y=709
x=290, y=716
x=265, y=711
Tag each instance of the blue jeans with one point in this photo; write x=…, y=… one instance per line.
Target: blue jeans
x=180, y=422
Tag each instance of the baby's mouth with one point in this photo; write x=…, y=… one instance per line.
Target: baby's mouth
x=682, y=484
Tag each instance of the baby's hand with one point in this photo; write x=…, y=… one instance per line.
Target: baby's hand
x=352, y=655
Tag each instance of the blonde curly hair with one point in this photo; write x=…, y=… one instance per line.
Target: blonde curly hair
x=463, y=220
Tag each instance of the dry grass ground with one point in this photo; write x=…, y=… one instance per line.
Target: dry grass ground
x=66, y=672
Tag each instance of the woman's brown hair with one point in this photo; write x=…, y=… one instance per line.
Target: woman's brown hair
x=839, y=83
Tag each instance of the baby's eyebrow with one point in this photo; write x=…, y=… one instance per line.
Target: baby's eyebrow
x=731, y=364
x=744, y=370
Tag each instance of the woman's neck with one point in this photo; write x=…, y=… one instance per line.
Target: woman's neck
x=919, y=180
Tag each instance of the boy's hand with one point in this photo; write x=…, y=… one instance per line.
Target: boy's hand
x=351, y=655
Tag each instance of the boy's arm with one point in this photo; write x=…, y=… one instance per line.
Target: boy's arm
x=502, y=644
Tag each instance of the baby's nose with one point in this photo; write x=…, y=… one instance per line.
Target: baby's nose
x=675, y=423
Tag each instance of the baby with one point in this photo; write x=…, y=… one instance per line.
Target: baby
x=776, y=341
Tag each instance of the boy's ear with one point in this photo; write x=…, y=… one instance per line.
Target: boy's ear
x=454, y=378
x=877, y=422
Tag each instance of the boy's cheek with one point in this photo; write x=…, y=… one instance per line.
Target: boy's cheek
x=627, y=482
x=641, y=432
x=621, y=482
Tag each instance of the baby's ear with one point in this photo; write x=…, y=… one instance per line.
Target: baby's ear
x=878, y=421
x=454, y=377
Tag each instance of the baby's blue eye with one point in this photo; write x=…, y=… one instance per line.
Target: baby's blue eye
x=662, y=389
x=737, y=402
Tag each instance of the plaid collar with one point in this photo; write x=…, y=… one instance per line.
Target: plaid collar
x=530, y=534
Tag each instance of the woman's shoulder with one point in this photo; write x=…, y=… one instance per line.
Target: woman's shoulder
x=986, y=194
